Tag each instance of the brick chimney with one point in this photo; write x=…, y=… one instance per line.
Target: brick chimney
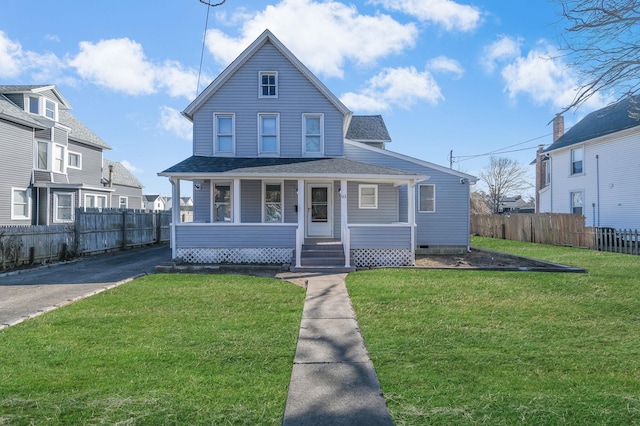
x=558, y=126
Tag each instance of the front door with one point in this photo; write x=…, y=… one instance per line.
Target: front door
x=319, y=210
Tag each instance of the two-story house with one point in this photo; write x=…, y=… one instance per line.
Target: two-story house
x=591, y=168
x=283, y=172
x=50, y=163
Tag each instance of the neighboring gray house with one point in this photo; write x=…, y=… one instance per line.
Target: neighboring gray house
x=592, y=169
x=50, y=163
x=127, y=188
x=282, y=172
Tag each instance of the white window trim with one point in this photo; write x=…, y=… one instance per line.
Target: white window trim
x=51, y=147
x=95, y=199
x=571, y=151
x=126, y=202
x=215, y=133
x=260, y=74
x=571, y=205
x=28, y=196
x=55, y=146
x=36, y=156
x=264, y=202
x=69, y=166
x=375, y=196
x=434, y=198
x=55, y=207
x=45, y=110
x=212, y=211
x=260, y=151
x=304, y=134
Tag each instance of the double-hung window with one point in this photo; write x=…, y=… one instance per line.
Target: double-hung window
x=42, y=160
x=224, y=133
x=95, y=201
x=268, y=84
x=74, y=160
x=577, y=202
x=123, y=202
x=576, y=161
x=426, y=198
x=50, y=109
x=63, y=204
x=312, y=133
x=268, y=133
x=273, y=202
x=368, y=196
x=222, y=202
x=59, y=159
x=20, y=204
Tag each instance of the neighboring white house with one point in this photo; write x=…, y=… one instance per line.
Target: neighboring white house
x=593, y=168
x=155, y=202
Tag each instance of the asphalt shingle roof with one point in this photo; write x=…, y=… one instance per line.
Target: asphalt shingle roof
x=368, y=128
x=121, y=176
x=283, y=166
x=602, y=122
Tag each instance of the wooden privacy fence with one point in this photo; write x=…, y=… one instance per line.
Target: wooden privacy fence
x=92, y=231
x=552, y=228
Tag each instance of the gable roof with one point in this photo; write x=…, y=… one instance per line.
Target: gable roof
x=36, y=88
x=79, y=132
x=10, y=112
x=605, y=121
x=265, y=37
x=121, y=175
x=284, y=167
x=368, y=128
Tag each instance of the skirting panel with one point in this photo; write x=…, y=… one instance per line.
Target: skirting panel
x=235, y=255
x=363, y=258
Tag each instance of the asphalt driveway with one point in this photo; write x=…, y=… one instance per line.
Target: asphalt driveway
x=39, y=290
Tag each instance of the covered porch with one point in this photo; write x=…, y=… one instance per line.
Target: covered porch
x=248, y=216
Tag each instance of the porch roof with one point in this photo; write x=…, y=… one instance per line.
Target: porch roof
x=202, y=166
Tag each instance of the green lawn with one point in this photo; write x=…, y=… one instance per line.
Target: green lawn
x=163, y=349
x=480, y=347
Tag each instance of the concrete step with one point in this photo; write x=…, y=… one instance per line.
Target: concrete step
x=323, y=269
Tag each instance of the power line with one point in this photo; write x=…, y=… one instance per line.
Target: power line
x=461, y=158
x=204, y=38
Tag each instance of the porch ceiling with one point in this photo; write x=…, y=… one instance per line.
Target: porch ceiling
x=285, y=167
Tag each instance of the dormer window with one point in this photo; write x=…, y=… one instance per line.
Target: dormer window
x=50, y=109
x=34, y=105
x=42, y=106
x=268, y=84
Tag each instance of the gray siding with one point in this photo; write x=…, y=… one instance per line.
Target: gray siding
x=91, y=172
x=238, y=236
x=60, y=136
x=15, y=168
x=290, y=201
x=380, y=237
x=296, y=95
x=449, y=224
x=134, y=196
x=201, y=203
x=387, y=211
x=251, y=201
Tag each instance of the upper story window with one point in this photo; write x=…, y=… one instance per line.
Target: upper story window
x=74, y=160
x=426, y=198
x=268, y=85
x=313, y=133
x=51, y=157
x=224, y=133
x=42, y=106
x=268, y=137
x=368, y=196
x=59, y=159
x=576, y=161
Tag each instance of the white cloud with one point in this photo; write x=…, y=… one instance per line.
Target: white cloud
x=446, y=65
x=173, y=122
x=323, y=35
x=451, y=15
x=121, y=65
x=10, y=54
x=545, y=78
x=401, y=87
x=133, y=169
x=504, y=49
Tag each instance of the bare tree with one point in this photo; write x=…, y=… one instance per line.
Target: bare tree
x=602, y=41
x=479, y=203
x=504, y=177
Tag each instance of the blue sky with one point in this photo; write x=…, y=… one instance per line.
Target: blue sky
x=472, y=77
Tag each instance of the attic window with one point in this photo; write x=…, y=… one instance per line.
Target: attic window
x=34, y=105
x=50, y=109
x=268, y=84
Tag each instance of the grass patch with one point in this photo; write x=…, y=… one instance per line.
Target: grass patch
x=484, y=347
x=163, y=349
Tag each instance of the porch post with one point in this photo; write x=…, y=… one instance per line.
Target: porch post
x=175, y=212
x=300, y=230
x=411, y=215
x=236, y=201
x=344, y=233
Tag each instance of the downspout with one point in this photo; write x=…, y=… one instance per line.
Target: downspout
x=598, y=186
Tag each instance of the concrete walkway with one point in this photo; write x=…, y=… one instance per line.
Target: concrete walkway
x=333, y=381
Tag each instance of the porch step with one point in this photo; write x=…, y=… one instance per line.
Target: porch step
x=322, y=253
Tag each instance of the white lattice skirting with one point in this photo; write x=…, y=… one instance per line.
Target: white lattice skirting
x=363, y=258
x=235, y=255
